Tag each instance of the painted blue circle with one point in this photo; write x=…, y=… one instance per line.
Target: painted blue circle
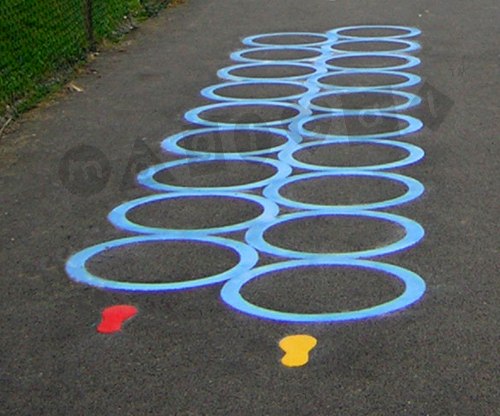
x=413, y=234
x=146, y=177
x=410, y=45
x=411, y=80
x=211, y=92
x=415, y=189
x=411, y=61
x=414, y=124
x=225, y=73
x=414, y=290
x=412, y=100
x=173, y=143
x=76, y=265
x=118, y=216
x=254, y=40
x=410, y=32
x=239, y=56
x=193, y=116
x=415, y=153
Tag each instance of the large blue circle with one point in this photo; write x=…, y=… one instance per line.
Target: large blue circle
x=225, y=73
x=411, y=80
x=415, y=189
x=193, y=116
x=415, y=153
x=146, y=177
x=410, y=32
x=414, y=290
x=414, y=233
x=410, y=45
x=239, y=56
x=414, y=124
x=412, y=100
x=76, y=265
x=172, y=144
x=211, y=92
x=254, y=40
x=118, y=216
x=411, y=61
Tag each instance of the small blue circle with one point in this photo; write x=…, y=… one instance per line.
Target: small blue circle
x=146, y=177
x=411, y=61
x=298, y=126
x=225, y=73
x=173, y=143
x=410, y=32
x=414, y=290
x=411, y=80
x=76, y=265
x=212, y=92
x=193, y=116
x=415, y=153
x=413, y=234
x=118, y=216
x=254, y=40
x=414, y=190
x=239, y=56
x=410, y=46
x=412, y=100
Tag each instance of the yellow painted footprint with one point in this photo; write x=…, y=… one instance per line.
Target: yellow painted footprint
x=297, y=348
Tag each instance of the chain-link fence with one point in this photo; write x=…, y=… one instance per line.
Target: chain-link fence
x=39, y=39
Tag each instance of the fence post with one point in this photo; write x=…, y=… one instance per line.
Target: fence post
x=89, y=25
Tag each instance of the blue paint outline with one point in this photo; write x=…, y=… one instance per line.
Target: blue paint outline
x=238, y=56
x=411, y=32
x=411, y=46
x=253, y=40
x=76, y=265
x=171, y=144
x=415, y=154
x=414, y=190
x=412, y=100
x=210, y=92
x=411, y=80
x=225, y=73
x=414, y=124
x=146, y=177
x=414, y=290
x=414, y=233
x=118, y=216
x=411, y=61
x=193, y=116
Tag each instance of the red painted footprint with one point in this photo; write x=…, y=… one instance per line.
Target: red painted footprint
x=114, y=317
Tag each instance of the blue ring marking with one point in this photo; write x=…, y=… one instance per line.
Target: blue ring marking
x=411, y=80
x=146, y=177
x=412, y=100
x=239, y=55
x=193, y=115
x=118, y=216
x=411, y=32
x=211, y=92
x=414, y=124
x=225, y=73
x=171, y=144
x=410, y=45
x=414, y=233
x=411, y=61
x=253, y=40
x=415, y=189
x=415, y=154
x=414, y=290
x=76, y=265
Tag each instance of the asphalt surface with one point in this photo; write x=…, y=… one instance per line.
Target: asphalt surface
x=186, y=352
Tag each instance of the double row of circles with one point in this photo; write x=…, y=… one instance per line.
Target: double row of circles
x=320, y=62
